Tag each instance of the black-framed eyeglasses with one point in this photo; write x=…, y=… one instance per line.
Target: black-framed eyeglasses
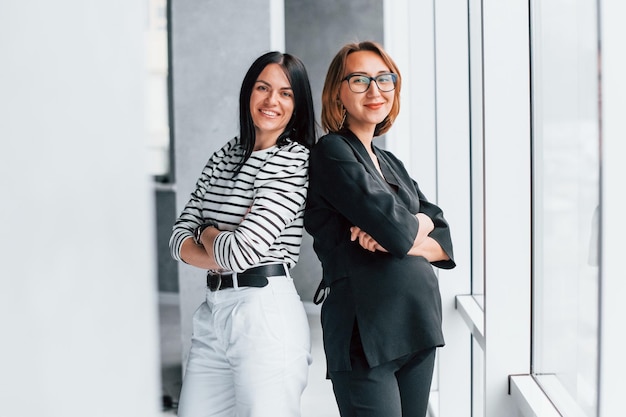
x=360, y=83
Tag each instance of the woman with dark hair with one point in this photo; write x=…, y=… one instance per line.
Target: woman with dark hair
x=376, y=236
x=250, y=347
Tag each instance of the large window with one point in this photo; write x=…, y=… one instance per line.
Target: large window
x=566, y=187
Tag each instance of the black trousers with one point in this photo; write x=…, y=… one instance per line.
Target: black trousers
x=399, y=388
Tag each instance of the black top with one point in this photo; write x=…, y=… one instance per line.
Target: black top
x=394, y=297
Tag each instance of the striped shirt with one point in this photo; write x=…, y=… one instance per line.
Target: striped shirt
x=259, y=210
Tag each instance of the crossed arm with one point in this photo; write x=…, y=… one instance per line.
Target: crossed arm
x=423, y=245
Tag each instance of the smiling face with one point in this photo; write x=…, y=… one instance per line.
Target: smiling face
x=271, y=105
x=365, y=110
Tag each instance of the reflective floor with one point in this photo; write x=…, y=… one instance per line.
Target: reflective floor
x=317, y=400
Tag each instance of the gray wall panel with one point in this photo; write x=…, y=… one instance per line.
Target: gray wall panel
x=213, y=44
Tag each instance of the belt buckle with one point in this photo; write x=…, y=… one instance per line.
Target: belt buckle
x=210, y=281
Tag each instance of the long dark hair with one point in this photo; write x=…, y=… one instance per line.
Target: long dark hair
x=301, y=127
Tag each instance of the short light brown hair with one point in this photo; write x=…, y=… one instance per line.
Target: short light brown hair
x=332, y=109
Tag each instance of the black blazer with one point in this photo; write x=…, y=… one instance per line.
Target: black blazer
x=393, y=297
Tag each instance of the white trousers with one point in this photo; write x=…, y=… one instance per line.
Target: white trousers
x=250, y=353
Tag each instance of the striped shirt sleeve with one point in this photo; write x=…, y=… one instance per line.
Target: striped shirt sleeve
x=191, y=216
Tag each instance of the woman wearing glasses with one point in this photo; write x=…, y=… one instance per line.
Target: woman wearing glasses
x=377, y=237
x=250, y=349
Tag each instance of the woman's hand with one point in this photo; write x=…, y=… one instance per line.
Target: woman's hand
x=366, y=241
x=426, y=226
x=429, y=249
x=424, y=245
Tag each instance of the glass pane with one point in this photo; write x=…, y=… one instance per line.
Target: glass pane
x=476, y=142
x=566, y=187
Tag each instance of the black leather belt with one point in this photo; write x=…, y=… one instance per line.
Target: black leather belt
x=253, y=277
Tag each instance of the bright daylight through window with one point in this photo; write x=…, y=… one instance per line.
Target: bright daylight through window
x=566, y=186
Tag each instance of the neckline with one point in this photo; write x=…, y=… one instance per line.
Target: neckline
x=265, y=150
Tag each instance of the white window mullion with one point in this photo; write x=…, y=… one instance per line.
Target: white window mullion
x=507, y=199
x=613, y=286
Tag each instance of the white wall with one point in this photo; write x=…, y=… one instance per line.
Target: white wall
x=77, y=281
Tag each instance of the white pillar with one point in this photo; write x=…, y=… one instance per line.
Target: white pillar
x=77, y=277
